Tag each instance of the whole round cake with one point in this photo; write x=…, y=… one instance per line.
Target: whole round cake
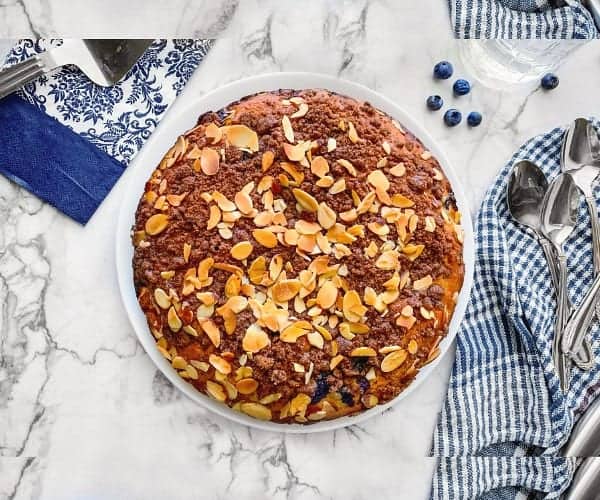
x=298, y=256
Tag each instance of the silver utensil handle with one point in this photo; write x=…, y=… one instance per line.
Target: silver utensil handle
x=585, y=437
x=561, y=362
x=550, y=260
x=579, y=323
x=14, y=77
x=593, y=211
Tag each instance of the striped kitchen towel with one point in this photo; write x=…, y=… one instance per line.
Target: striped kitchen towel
x=521, y=19
x=68, y=140
x=505, y=417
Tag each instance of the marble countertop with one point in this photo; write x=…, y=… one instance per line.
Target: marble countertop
x=83, y=411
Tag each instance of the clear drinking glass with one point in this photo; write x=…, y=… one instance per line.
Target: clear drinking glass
x=502, y=63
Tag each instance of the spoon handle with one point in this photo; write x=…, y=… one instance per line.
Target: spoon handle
x=561, y=362
x=593, y=211
x=550, y=259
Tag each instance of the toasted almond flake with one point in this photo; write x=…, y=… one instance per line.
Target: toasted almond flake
x=257, y=270
x=315, y=339
x=302, y=110
x=290, y=237
x=209, y=161
x=413, y=347
x=246, y=386
x=255, y=339
x=216, y=391
x=352, y=134
x=241, y=250
x=162, y=299
x=386, y=147
x=243, y=202
x=426, y=155
x=382, y=162
x=241, y=136
x=220, y=364
x=205, y=311
x=265, y=237
x=204, y=267
x=378, y=180
x=430, y=224
x=327, y=295
x=393, y=360
x=398, y=170
x=275, y=267
x=389, y=348
x=325, y=182
x=319, y=166
x=176, y=199
x=406, y=321
x=187, y=249
x=285, y=290
x=388, y=261
x=335, y=361
x=213, y=132
x=363, y=351
x=173, y=320
x=407, y=311
x=212, y=331
x=348, y=166
x=167, y=275
x=352, y=306
x=423, y=283
x=331, y=144
x=305, y=227
x=288, y=131
x=366, y=203
x=401, y=201
x=156, y=224
x=263, y=219
x=179, y=363
x=207, y=298
x=305, y=200
x=326, y=216
x=378, y=229
x=339, y=186
x=437, y=175
x=295, y=153
x=460, y=234
x=293, y=332
x=233, y=285
x=298, y=368
x=267, y=160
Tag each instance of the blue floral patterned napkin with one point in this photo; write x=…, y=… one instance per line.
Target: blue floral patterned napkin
x=521, y=19
x=68, y=140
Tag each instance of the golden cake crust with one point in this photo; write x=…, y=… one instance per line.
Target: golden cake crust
x=298, y=256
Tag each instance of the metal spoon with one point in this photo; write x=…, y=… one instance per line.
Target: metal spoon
x=527, y=187
x=559, y=217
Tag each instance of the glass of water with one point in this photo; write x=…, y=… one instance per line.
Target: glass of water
x=502, y=63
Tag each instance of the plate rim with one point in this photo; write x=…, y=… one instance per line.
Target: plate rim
x=143, y=165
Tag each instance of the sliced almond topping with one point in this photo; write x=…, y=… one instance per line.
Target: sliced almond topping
x=212, y=131
x=179, y=363
x=349, y=215
x=246, y=386
x=352, y=134
x=293, y=332
x=204, y=267
x=315, y=339
x=220, y=364
x=366, y=203
x=209, y=161
x=291, y=169
x=348, y=166
x=162, y=299
x=255, y=339
x=398, y=170
x=194, y=154
x=413, y=347
x=288, y=131
x=302, y=110
x=285, y=290
x=426, y=155
x=327, y=295
x=393, y=360
x=224, y=204
x=294, y=153
x=265, y=237
x=214, y=217
x=325, y=182
x=291, y=237
x=176, y=199
x=212, y=331
x=173, y=320
x=256, y=410
x=187, y=250
x=389, y=348
x=331, y=144
x=305, y=200
x=243, y=202
x=267, y=160
x=430, y=223
x=216, y=391
x=363, y=351
x=378, y=229
x=305, y=227
x=241, y=136
x=336, y=360
x=423, y=283
x=378, y=180
x=437, y=175
x=407, y=311
x=339, y=186
x=352, y=306
x=257, y=270
x=401, y=201
x=406, y=321
x=388, y=261
x=386, y=147
x=326, y=216
x=241, y=250
x=319, y=166
x=156, y=224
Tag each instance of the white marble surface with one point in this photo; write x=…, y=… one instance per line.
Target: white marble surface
x=84, y=413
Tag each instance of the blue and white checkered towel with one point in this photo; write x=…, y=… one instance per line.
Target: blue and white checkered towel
x=520, y=19
x=505, y=417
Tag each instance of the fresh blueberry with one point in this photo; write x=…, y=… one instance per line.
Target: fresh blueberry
x=550, y=81
x=461, y=87
x=452, y=117
x=322, y=388
x=474, y=118
x=364, y=384
x=434, y=102
x=347, y=398
x=443, y=70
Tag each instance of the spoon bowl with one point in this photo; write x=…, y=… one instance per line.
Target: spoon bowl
x=527, y=187
x=559, y=211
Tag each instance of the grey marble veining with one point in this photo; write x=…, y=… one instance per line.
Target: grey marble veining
x=83, y=411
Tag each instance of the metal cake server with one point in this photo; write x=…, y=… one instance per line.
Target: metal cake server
x=559, y=218
x=105, y=62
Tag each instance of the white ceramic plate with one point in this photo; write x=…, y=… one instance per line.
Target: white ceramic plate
x=164, y=138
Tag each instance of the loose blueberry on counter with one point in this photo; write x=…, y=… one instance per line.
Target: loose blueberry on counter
x=549, y=81
x=443, y=70
x=434, y=102
x=474, y=118
x=461, y=87
x=452, y=117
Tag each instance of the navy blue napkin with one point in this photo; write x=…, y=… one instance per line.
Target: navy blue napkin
x=68, y=140
x=52, y=161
